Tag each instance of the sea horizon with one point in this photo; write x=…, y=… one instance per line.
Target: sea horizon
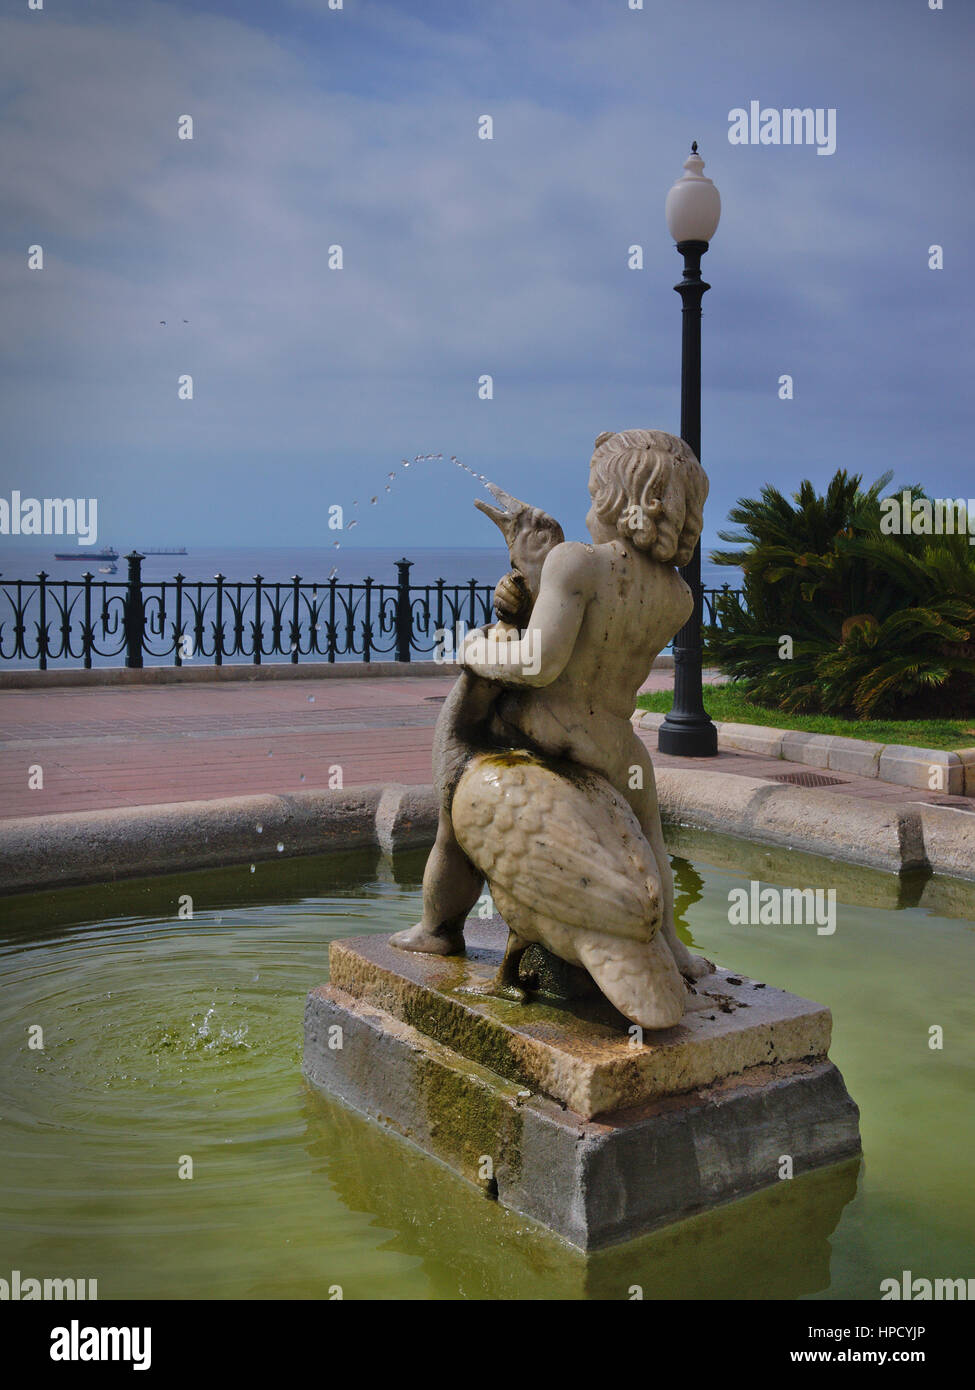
x=349, y=564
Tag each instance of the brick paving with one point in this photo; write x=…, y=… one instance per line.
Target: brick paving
x=105, y=747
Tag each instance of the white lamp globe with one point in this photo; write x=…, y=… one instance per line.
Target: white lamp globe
x=693, y=205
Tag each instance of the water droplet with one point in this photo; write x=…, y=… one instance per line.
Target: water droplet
x=301, y=778
x=311, y=699
x=373, y=500
x=388, y=488
x=280, y=846
x=406, y=463
x=252, y=868
x=335, y=545
x=351, y=524
x=270, y=752
x=334, y=571
x=390, y=475
x=260, y=830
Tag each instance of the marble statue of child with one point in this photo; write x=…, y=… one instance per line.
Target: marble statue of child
x=567, y=688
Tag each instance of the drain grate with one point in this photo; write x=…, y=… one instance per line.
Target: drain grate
x=809, y=779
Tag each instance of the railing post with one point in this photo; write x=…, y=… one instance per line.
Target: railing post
x=258, y=623
x=134, y=613
x=87, y=633
x=331, y=619
x=218, y=623
x=404, y=612
x=440, y=626
x=42, y=620
x=295, y=618
x=178, y=621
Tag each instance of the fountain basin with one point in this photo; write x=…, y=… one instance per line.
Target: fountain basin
x=293, y=1194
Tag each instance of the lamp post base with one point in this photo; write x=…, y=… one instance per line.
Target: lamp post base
x=688, y=738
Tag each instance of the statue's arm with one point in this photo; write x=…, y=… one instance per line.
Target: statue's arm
x=543, y=651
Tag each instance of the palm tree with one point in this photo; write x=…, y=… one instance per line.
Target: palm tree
x=877, y=623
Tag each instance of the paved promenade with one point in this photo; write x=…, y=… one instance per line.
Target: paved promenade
x=106, y=747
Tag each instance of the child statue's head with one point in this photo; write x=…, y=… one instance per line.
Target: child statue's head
x=648, y=488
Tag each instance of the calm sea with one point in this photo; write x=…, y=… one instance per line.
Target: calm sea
x=350, y=564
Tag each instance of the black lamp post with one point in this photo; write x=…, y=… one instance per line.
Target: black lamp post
x=693, y=210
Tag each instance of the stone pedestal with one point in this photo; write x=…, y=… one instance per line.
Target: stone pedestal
x=556, y=1109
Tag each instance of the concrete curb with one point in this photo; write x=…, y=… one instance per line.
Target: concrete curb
x=179, y=675
x=949, y=839
x=82, y=847
x=899, y=764
x=853, y=829
x=94, y=846
x=274, y=671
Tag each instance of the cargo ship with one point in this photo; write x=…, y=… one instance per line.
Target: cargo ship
x=107, y=552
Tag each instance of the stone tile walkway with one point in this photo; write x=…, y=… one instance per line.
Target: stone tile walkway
x=105, y=747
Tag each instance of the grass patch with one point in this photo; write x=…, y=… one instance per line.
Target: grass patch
x=730, y=703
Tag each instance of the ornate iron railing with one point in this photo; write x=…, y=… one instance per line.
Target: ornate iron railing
x=712, y=613
x=172, y=621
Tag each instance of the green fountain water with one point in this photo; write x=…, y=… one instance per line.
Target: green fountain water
x=168, y=1038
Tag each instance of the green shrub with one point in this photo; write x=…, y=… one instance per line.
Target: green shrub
x=880, y=624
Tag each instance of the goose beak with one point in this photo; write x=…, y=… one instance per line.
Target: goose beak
x=505, y=516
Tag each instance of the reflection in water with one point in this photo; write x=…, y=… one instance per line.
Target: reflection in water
x=688, y=890
x=774, y=1244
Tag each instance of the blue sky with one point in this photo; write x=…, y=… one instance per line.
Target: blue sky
x=463, y=256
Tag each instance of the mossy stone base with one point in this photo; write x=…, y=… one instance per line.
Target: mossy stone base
x=578, y=1049
x=394, y=1037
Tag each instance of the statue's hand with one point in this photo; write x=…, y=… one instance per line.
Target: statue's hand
x=513, y=599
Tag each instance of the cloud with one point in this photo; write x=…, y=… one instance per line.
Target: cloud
x=461, y=256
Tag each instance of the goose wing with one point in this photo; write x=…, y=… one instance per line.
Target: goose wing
x=560, y=844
